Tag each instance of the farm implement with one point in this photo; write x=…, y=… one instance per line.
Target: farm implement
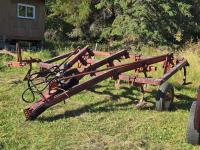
x=57, y=82
x=193, y=130
x=19, y=61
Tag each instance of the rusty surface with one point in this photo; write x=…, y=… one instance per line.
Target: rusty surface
x=58, y=58
x=173, y=70
x=68, y=81
x=19, y=61
x=108, y=60
x=106, y=54
x=46, y=65
x=78, y=57
x=141, y=80
x=16, y=64
x=19, y=53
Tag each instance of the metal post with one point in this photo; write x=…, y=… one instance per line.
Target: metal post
x=184, y=75
x=19, y=53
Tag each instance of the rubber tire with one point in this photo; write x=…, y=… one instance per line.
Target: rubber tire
x=192, y=135
x=164, y=88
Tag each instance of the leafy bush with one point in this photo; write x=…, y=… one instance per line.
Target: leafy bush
x=131, y=22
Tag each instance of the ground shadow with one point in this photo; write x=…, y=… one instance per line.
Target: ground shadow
x=127, y=93
x=184, y=102
x=180, y=87
x=107, y=107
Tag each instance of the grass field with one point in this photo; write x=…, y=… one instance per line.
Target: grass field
x=99, y=118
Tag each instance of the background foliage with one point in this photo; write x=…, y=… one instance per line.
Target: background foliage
x=129, y=22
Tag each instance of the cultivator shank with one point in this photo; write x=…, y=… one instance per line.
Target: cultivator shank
x=65, y=79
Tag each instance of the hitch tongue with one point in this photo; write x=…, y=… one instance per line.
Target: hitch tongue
x=32, y=112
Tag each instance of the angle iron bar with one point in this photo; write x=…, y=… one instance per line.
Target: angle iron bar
x=81, y=53
x=141, y=80
x=106, y=54
x=107, y=60
x=46, y=65
x=172, y=71
x=57, y=58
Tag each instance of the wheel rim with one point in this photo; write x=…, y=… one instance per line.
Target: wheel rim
x=168, y=98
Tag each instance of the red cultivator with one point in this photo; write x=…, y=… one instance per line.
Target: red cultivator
x=61, y=81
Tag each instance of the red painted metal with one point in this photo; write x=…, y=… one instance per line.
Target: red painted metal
x=16, y=64
x=20, y=62
x=140, y=80
x=59, y=57
x=103, y=54
x=46, y=65
x=114, y=70
x=80, y=55
x=108, y=60
x=106, y=54
x=173, y=70
x=168, y=63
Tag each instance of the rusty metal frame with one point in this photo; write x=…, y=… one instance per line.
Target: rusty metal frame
x=21, y=62
x=112, y=71
x=145, y=80
x=78, y=56
x=107, y=54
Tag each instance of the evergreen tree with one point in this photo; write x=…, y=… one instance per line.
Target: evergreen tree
x=156, y=22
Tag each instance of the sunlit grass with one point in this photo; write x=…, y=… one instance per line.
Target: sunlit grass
x=99, y=118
